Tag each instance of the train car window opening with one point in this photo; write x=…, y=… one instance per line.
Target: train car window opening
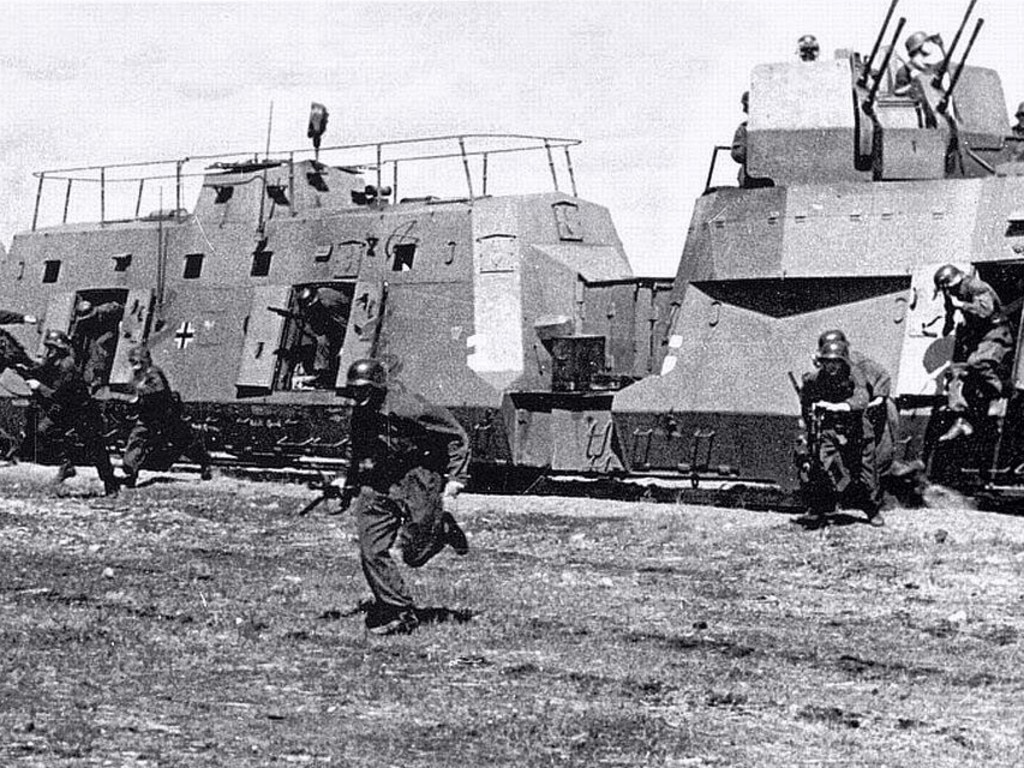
x=261, y=263
x=223, y=194
x=193, y=266
x=313, y=336
x=51, y=270
x=404, y=254
x=278, y=194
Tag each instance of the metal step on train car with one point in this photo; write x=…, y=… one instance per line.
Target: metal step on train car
x=519, y=311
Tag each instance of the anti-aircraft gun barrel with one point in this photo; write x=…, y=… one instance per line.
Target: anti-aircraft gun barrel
x=869, y=103
x=944, y=66
x=959, y=70
x=878, y=42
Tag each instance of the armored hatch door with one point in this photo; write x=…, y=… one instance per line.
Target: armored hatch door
x=134, y=330
x=926, y=352
x=263, y=331
x=59, y=311
x=364, y=325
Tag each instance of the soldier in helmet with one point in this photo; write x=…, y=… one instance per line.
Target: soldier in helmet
x=924, y=56
x=739, y=150
x=325, y=312
x=94, y=334
x=160, y=431
x=982, y=349
x=407, y=458
x=1018, y=128
x=808, y=48
x=881, y=412
x=68, y=410
x=842, y=460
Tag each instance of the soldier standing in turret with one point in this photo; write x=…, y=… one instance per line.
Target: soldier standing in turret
x=68, y=410
x=982, y=349
x=925, y=56
x=807, y=48
x=842, y=448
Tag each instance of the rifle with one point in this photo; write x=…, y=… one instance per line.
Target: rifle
x=287, y=314
x=328, y=490
x=809, y=463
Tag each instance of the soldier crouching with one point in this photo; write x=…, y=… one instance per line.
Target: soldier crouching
x=67, y=410
x=160, y=433
x=842, y=449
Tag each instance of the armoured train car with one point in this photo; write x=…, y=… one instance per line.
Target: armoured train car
x=519, y=311
x=861, y=193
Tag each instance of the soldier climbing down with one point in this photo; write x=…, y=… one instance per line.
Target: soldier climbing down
x=982, y=349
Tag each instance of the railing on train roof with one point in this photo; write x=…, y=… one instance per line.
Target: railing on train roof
x=384, y=154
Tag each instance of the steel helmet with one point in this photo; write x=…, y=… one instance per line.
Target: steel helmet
x=55, y=339
x=139, y=354
x=808, y=44
x=1020, y=110
x=366, y=373
x=835, y=350
x=84, y=307
x=307, y=296
x=916, y=42
x=948, y=276
x=832, y=335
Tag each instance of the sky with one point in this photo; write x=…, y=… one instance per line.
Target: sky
x=648, y=87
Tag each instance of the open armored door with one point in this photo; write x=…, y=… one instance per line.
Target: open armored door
x=59, y=312
x=263, y=337
x=364, y=325
x=134, y=330
x=926, y=352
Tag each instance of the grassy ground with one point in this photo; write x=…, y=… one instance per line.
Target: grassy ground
x=188, y=624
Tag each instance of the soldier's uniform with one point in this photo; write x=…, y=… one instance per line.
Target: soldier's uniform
x=402, y=451
x=843, y=458
x=160, y=433
x=95, y=339
x=67, y=410
x=325, y=311
x=982, y=348
x=1018, y=127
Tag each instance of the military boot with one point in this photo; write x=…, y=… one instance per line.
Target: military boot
x=64, y=471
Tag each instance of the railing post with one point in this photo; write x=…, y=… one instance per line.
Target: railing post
x=138, y=200
x=39, y=195
x=572, y=174
x=103, y=195
x=177, y=186
x=551, y=163
x=291, y=181
x=465, y=165
x=484, y=190
x=394, y=182
x=67, y=202
x=380, y=171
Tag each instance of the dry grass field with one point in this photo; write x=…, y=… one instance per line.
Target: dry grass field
x=189, y=624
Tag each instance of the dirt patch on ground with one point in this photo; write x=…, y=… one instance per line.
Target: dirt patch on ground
x=190, y=623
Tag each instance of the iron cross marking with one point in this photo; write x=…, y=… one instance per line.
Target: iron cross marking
x=184, y=334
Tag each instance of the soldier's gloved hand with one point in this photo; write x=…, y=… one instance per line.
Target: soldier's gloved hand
x=453, y=488
x=825, y=405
